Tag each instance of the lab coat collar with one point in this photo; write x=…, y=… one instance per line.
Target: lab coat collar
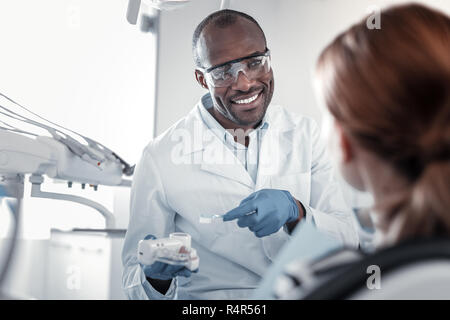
x=205, y=104
x=216, y=158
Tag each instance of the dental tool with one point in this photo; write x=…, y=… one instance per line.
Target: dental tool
x=204, y=219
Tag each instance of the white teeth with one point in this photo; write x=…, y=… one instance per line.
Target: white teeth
x=245, y=101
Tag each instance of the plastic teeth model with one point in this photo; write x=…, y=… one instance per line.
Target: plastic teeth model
x=176, y=250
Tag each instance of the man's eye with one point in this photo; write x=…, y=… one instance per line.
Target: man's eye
x=221, y=74
x=254, y=63
x=217, y=74
x=227, y=75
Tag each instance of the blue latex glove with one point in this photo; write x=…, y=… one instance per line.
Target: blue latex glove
x=274, y=209
x=164, y=271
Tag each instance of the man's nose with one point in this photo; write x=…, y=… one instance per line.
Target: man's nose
x=242, y=83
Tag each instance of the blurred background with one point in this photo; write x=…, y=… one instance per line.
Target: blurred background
x=81, y=64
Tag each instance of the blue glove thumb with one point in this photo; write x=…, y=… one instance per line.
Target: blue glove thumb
x=163, y=271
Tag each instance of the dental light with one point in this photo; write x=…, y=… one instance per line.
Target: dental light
x=134, y=7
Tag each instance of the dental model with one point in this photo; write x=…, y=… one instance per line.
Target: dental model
x=175, y=250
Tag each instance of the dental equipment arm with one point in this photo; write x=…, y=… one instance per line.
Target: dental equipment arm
x=145, y=10
x=134, y=7
x=15, y=208
x=58, y=156
x=36, y=182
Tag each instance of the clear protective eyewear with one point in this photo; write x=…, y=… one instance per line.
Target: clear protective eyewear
x=252, y=67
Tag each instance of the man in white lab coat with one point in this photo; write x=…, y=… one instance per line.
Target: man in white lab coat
x=233, y=154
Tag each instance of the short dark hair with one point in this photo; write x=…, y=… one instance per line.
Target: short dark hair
x=221, y=19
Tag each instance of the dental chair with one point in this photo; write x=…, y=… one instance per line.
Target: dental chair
x=418, y=269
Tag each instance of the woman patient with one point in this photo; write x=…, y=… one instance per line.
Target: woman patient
x=388, y=96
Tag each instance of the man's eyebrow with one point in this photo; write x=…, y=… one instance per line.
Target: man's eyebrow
x=256, y=52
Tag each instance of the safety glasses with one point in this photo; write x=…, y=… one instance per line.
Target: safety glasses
x=225, y=74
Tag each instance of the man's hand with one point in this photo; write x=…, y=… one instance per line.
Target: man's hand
x=160, y=274
x=274, y=208
x=163, y=271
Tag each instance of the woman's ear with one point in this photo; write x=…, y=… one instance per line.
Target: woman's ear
x=349, y=163
x=200, y=77
x=344, y=144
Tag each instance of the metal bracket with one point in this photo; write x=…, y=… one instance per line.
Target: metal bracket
x=37, y=180
x=13, y=184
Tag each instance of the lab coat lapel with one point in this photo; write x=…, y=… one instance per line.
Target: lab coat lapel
x=219, y=160
x=276, y=144
x=275, y=148
x=215, y=157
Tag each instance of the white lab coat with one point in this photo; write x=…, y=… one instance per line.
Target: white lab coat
x=181, y=177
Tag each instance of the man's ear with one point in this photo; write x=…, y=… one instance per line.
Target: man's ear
x=345, y=143
x=200, y=77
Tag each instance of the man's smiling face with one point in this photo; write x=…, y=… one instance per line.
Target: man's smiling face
x=244, y=102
